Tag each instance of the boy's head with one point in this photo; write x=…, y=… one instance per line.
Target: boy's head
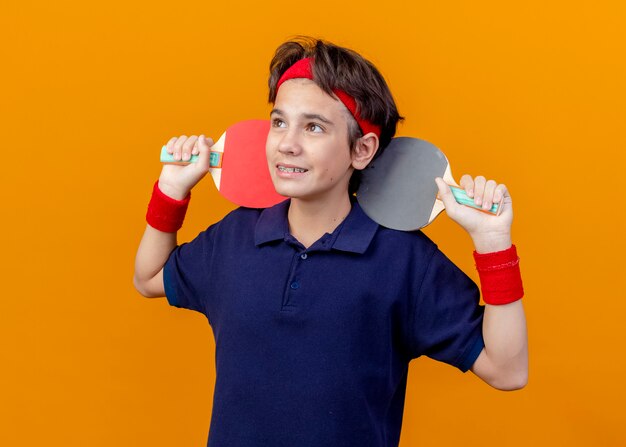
x=345, y=75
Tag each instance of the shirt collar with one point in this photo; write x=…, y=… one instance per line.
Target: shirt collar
x=272, y=224
x=354, y=234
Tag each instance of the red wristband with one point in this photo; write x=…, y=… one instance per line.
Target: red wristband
x=500, y=276
x=164, y=213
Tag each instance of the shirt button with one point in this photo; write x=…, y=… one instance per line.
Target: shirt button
x=304, y=256
x=295, y=285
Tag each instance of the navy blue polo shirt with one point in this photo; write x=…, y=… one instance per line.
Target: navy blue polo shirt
x=312, y=345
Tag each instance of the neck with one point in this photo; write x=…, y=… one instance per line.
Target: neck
x=310, y=220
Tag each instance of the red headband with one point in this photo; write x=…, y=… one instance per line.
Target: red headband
x=304, y=69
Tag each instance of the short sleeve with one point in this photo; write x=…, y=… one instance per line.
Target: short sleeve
x=186, y=274
x=447, y=323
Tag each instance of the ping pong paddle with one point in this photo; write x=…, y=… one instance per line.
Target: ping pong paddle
x=238, y=165
x=398, y=189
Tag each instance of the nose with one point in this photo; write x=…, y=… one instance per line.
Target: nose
x=289, y=142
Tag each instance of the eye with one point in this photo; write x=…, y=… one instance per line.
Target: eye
x=277, y=122
x=314, y=127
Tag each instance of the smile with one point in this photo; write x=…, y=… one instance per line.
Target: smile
x=284, y=169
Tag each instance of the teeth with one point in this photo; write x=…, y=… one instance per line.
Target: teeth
x=284, y=169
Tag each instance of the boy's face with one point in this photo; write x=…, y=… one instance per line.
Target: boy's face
x=307, y=147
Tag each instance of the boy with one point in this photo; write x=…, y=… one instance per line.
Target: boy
x=316, y=310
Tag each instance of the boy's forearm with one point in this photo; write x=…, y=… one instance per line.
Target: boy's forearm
x=154, y=250
x=506, y=341
x=504, y=330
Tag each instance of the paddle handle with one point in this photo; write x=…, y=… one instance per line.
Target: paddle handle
x=214, y=162
x=461, y=197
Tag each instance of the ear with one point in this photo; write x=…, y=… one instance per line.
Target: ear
x=365, y=149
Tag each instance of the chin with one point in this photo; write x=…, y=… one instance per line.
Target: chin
x=288, y=190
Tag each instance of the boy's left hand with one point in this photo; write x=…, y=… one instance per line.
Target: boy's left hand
x=489, y=232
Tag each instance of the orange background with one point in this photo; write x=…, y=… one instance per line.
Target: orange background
x=531, y=94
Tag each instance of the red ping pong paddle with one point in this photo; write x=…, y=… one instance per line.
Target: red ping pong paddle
x=238, y=165
x=398, y=189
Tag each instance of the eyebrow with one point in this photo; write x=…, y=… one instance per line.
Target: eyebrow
x=309, y=116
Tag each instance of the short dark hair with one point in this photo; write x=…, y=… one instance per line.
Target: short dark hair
x=335, y=67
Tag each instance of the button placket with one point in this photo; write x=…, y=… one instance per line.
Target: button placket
x=293, y=283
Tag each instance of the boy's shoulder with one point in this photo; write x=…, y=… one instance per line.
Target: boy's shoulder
x=407, y=242
x=241, y=216
x=238, y=220
x=406, y=237
x=242, y=223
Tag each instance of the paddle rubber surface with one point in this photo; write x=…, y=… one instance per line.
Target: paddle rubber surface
x=239, y=166
x=398, y=189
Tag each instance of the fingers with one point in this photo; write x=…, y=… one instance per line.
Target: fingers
x=183, y=147
x=170, y=144
x=187, y=147
x=485, y=192
x=500, y=193
x=467, y=183
x=490, y=187
x=174, y=146
x=479, y=189
x=204, y=152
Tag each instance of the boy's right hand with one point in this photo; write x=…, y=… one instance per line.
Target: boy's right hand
x=176, y=181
